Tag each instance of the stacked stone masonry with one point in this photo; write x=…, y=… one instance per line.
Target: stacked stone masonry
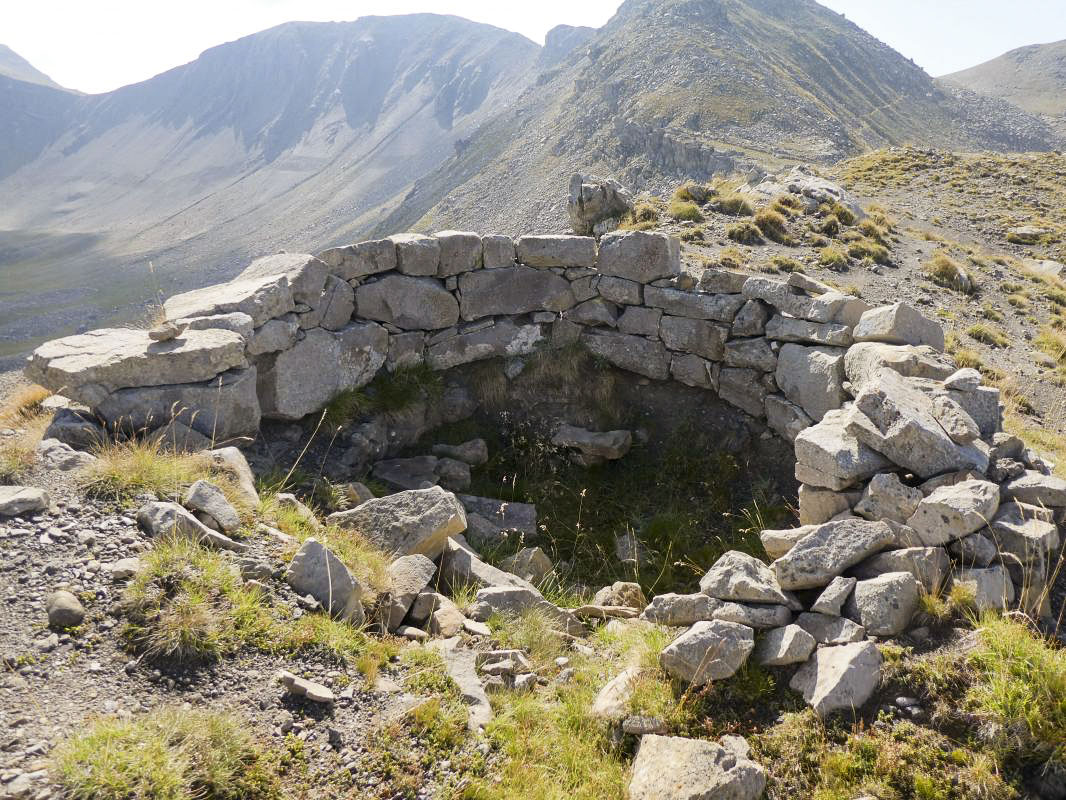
x=900, y=457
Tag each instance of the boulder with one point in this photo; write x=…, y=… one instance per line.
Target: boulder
x=751, y=319
x=460, y=566
x=632, y=353
x=959, y=425
x=474, y=452
x=274, y=335
x=1037, y=489
x=694, y=371
x=530, y=564
x=305, y=273
x=886, y=497
x=621, y=291
x=236, y=321
x=740, y=577
x=55, y=455
x=708, y=651
x=416, y=254
x=778, y=542
x=786, y=418
x=232, y=462
x=828, y=456
x=722, y=281
x=556, y=251
x=594, y=445
x=74, y=429
x=621, y=593
x=516, y=600
x=812, y=377
x=831, y=601
x=513, y=290
x=975, y=550
x=839, y=678
x=899, y=324
x=747, y=389
x=407, y=302
x=502, y=339
x=612, y=701
x=408, y=576
x=821, y=505
x=594, y=312
x=1020, y=531
x=865, y=359
x=694, y=305
x=680, y=610
x=929, y=565
x=754, y=615
x=829, y=550
x=801, y=331
x=296, y=382
x=90, y=366
x=460, y=252
x=418, y=521
x=894, y=417
x=674, y=768
x=508, y=516
x=594, y=201
x=64, y=609
x=831, y=629
x=461, y=666
x=315, y=570
x=954, y=511
x=169, y=519
x=16, y=500
x=260, y=298
x=639, y=256
x=794, y=302
x=992, y=587
x=752, y=353
x=699, y=337
x=204, y=497
x=884, y=605
x=497, y=251
x=640, y=321
x=783, y=646
x=357, y=261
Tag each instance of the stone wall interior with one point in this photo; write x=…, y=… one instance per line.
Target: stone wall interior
x=906, y=479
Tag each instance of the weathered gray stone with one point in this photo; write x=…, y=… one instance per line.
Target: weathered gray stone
x=417, y=254
x=886, y=497
x=297, y=382
x=828, y=551
x=236, y=321
x=1036, y=489
x=791, y=301
x=751, y=319
x=508, y=516
x=359, y=260
x=301, y=687
x=408, y=576
x=708, y=651
x=596, y=204
x=967, y=379
x=621, y=593
x=596, y=311
x=839, y=678
x=460, y=252
x=418, y=521
x=959, y=425
x=829, y=457
x=812, y=377
x=786, y=418
x=64, y=609
x=991, y=587
x=741, y=577
x=474, y=452
x=446, y=619
x=975, y=550
x=831, y=601
x=516, y=600
x=821, y=505
x=1019, y=531
x=884, y=605
x=639, y=255
x=722, y=281
x=497, y=251
x=407, y=302
x=460, y=566
x=783, y=646
x=865, y=359
x=315, y=570
x=701, y=338
x=674, y=768
x=89, y=366
x=754, y=615
x=335, y=307
x=54, y=455
x=556, y=251
x=530, y=564
x=170, y=519
x=232, y=462
x=260, y=298
x=680, y=610
x=752, y=353
x=632, y=353
x=694, y=371
x=305, y=273
x=778, y=542
x=406, y=350
x=692, y=305
x=894, y=417
x=743, y=388
x=640, y=320
x=620, y=290
x=831, y=629
x=899, y=324
x=513, y=290
x=206, y=498
x=461, y=666
x=406, y=473
x=273, y=335
x=612, y=701
x=787, y=329
x=929, y=565
x=600, y=446
x=954, y=511
x=504, y=338
x=16, y=500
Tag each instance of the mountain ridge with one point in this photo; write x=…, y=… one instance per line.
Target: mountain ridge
x=1031, y=77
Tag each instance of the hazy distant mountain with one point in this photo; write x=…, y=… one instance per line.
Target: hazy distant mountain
x=12, y=65
x=671, y=89
x=1033, y=78
x=313, y=134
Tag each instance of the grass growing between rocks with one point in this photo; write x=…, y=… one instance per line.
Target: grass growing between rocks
x=21, y=411
x=389, y=392
x=169, y=754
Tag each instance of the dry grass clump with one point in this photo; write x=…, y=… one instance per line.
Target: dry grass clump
x=945, y=271
x=168, y=754
x=866, y=248
x=693, y=192
x=773, y=225
x=1053, y=343
x=732, y=258
x=787, y=205
x=987, y=334
x=685, y=211
x=786, y=264
x=645, y=212
x=735, y=205
x=744, y=233
x=832, y=258
x=22, y=412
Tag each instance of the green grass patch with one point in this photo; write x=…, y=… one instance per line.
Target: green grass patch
x=832, y=258
x=735, y=205
x=685, y=211
x=867, y=248
x=773, y=225
x=168, y=754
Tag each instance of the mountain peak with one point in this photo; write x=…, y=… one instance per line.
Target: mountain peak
x=12, y=65
x=1031, y=77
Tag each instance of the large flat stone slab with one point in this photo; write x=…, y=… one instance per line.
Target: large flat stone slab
x=261, y=298
x=828, y=550
x=418, y=521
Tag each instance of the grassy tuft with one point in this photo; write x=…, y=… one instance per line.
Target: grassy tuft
x=945, y=271
x=866, y=248
x=685, y=211
x=735, y=205
x=168, y=754
x=832, y=258
x=987, y=334
x=773, y=225
x=744, y=233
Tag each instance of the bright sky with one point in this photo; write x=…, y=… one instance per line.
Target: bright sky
x=98, y=45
